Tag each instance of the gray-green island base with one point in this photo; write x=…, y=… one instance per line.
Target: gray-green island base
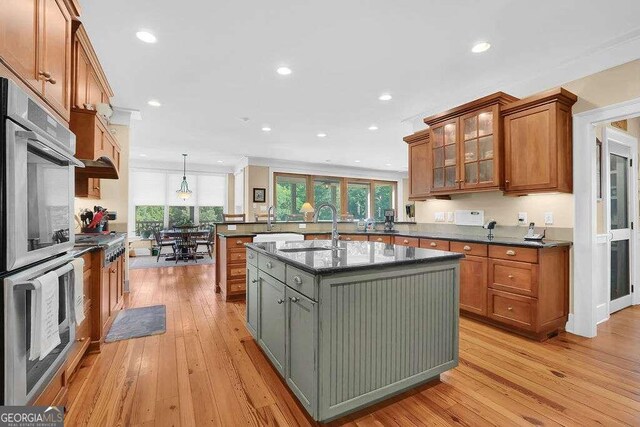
x=349, y=327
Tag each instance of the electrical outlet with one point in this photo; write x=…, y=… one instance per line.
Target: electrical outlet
x=548, y=218
x=302, y=225
x=439, y=216
x=450, y=217
x=522, y=218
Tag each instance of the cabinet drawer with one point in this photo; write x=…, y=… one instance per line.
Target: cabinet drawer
x=407, y=241
x=476, y=249
x=236, y=286
x=79, y=347
x=272, y=267
x=86, y=283
x=237, y=242
x=380, y=239
x=252, y=257
x=514, y=253
x=513, y=309
x=236, y=271
x=236, y=256
x=54, y=391
x=354, y=237
x=317, y=237
x=87, y=261
x=517, y=277
x=442, y=245
x=301, y=281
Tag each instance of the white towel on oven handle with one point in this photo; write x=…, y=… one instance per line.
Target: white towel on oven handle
x=78, y=289
x=45, y=305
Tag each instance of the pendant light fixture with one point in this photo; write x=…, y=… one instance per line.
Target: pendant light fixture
x=184, y=193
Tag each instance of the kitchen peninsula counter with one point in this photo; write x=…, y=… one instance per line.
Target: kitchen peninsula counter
x=350, y=326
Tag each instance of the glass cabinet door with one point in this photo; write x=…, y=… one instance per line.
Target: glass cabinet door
x=445, y=156
x=478, y=149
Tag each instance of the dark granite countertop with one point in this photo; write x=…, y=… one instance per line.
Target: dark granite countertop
x=78, y=251
x=352, y=256
x=507, y=241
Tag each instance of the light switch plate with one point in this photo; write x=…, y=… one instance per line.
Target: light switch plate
x=302, y=225
x=522, y=218
x=232, y=227
x=439, y=216
x=450, y=217
x=548, y=218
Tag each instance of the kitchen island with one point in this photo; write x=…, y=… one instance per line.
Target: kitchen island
x=350, y=325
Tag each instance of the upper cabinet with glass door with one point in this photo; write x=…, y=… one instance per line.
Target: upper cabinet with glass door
x=467, y=146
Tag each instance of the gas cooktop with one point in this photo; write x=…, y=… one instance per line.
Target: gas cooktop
x=97, y=239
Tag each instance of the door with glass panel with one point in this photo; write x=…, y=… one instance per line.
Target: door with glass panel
x=445, y=156
x=622, y=199
x=479, y=149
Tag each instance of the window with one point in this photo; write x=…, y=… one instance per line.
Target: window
x=156, y=204
x=326, y=190
x=149, y=218
x=358, y=199
x=290, y=194
x=383, y=198
x=181, y=215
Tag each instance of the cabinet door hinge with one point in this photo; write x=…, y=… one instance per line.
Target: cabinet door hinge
x=632, y=288
x=630, y=162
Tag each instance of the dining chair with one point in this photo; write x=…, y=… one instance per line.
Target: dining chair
x=162, y=243
x=234, y=217
x=186, y=246
x=208, y=241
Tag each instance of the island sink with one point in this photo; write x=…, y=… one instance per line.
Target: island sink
x=351, y=327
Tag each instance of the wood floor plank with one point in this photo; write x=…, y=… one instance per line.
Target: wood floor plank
x=207, y=370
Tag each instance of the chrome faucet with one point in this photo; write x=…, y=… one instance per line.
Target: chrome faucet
x=334, y=217
x=269, y=226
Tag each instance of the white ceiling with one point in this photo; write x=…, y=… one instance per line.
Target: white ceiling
x=215, y=62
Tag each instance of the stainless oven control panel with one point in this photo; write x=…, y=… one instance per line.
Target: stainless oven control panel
x=113, y=252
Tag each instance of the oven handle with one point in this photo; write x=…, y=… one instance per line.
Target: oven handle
x=34, y=137
x=29, y=286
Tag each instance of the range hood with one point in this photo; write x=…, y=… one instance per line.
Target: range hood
x=103, y=168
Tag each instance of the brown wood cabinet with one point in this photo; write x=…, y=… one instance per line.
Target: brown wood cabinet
x=90, y=84
x=232, y=266
x=419, y=165
x=317, y=237
x=538, y=143
x=467, y=146
x=354, y=237
x=522, y=289
x=108, y=297
x=83, y=330
x=35, y=44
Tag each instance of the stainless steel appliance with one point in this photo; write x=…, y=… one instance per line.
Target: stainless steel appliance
x=389, y=220
x=37, y=183
x=113, y=245
x=24, y=379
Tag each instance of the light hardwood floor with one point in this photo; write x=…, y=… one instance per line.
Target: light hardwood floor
x=206, y=370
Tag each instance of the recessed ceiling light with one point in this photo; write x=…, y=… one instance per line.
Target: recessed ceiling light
x=373, y=127
x=146, y=36
x=357, y=161
x=387, y=164
x=284, y=71
x=143, y=155
x=266, y=129
x=385, y=97
x=480, y=47
x=322, y=135
x=154, y=103
x=219, y=161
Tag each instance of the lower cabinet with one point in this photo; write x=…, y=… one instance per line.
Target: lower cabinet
x=473, y=284
x=301, y=339
x=272, y=319
x=252, y=299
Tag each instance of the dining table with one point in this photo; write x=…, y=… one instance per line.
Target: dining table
x=177, y=233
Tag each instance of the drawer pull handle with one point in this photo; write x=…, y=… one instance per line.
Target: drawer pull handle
x=510, y=276
x=269, y=264
x=511, y=252
x=433, y=244
x=297, y=280
x=348, y=238
x=510, y=308
x=279, y=300
x=295, y=299
x=250, y=256
x=238, y=242
x=467, y=248
x=254, y=281
x=406, y=242
x=81, y=339
x=379, y=239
